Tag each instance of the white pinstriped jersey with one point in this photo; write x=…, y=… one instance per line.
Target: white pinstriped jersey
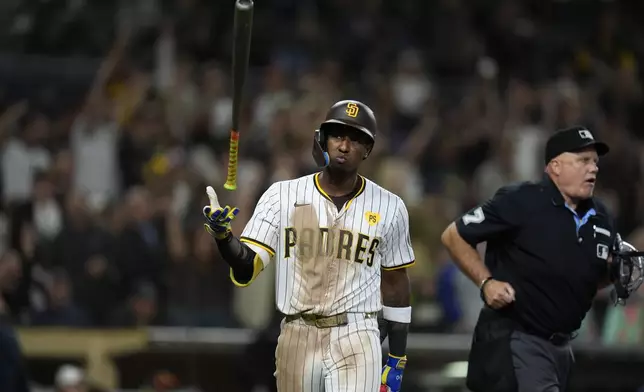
x=329, y=261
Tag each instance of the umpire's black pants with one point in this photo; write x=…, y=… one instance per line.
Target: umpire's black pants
x=506, y=359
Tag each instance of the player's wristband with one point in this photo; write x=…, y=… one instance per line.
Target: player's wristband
x=399, y=315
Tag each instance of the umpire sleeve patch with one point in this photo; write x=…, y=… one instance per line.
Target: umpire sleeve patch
x=475, y=216
x=602, y=251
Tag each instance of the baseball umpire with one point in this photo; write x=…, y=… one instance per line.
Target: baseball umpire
x=341, y=246
x=550, y=246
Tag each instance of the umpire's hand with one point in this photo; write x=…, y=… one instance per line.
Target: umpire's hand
x=498, y=294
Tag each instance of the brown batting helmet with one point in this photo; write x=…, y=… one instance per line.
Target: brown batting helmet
x=351, y=113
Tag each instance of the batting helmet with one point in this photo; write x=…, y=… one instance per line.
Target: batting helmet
x=351, y=113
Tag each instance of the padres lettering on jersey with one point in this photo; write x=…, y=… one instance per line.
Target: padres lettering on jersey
x=329, y=261
x=344, y=244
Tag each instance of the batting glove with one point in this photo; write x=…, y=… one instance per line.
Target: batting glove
x=218, y=219
x=392, y=374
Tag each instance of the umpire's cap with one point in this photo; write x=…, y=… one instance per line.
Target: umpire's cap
x=571, y=140
x=354, y=114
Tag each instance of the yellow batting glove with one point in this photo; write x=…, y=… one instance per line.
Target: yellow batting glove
x=218, y=219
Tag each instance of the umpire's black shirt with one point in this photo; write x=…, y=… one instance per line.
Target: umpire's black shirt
x=554, y=258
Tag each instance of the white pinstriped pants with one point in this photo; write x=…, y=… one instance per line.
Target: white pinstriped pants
x=347, y=358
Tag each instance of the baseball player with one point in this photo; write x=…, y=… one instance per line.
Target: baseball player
x=342, y=246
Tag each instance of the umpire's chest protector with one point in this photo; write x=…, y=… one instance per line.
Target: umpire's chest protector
x=562, y=245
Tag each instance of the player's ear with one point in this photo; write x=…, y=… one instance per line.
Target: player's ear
x=366, y=154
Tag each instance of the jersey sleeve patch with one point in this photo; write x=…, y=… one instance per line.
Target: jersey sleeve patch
x=496, y=216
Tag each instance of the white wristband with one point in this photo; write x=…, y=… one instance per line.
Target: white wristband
x=399, y=315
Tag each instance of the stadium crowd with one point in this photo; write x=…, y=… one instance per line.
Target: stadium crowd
x=104, y=163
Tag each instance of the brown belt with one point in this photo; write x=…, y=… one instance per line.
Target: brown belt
x=319, y=321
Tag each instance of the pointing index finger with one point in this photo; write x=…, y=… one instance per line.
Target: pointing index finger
x=212, y=196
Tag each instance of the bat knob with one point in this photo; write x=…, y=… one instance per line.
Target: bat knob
x=244, y=5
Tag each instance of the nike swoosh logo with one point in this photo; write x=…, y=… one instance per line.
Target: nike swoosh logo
x=301, y=204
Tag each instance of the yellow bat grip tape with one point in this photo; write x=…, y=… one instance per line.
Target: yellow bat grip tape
x=231, y=180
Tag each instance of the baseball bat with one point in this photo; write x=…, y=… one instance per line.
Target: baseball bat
x=243, y=25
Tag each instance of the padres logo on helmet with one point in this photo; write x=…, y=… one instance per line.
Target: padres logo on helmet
x=352, y=109
x=348, y=112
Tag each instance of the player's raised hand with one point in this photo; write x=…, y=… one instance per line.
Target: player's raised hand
x=392, y=374
x=218, y=219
